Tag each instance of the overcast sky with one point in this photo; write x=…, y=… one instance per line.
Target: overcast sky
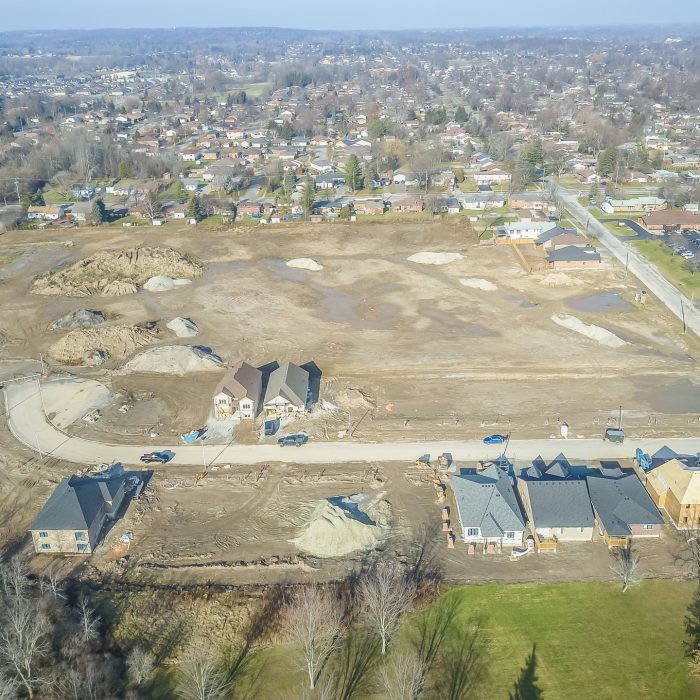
x=332, y=14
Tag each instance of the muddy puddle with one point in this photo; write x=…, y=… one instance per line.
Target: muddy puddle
x=679, y=396
x=520, y=300
x=455, y=326
x=600, y=303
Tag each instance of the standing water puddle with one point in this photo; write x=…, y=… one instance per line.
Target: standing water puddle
x=606, y=301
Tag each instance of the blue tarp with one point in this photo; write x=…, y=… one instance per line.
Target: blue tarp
x=193, y=436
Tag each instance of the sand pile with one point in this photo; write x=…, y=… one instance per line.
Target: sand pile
x=601, y=335
x=183, y=327
x=163, y=283
x=478, y=283
x=339, y=526
x=352, y=397
x=174, y=359
x=115, y=272
x=434, y=258
x=82, y=318
x=93, y=346
x=305, y=264
x=560, y=279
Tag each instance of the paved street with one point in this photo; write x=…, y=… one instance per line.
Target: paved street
x=29, y=425
x=637, y=264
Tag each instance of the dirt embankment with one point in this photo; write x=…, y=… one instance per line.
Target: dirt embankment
x=116, y=272
x=92, y=346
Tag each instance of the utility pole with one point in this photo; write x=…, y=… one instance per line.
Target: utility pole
x=683, y=315
x=619, y=419
x=17, y=190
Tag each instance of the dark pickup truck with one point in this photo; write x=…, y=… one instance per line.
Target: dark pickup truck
x=299, y=439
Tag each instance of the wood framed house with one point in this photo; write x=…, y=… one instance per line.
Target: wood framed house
x=287, y=391
x=487, y=509
x=74, y=517
x=238, y=394
x=622, y=508
x=675, y=487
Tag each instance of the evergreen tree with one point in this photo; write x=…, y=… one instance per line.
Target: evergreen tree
x=534, y=154
x=353, y=173
x=692, y=626
x=607, y=161
x=411, y=115
x=307, y=201
x=288, y=183
x=461, y=115
x=194, y=209
x=99, y=212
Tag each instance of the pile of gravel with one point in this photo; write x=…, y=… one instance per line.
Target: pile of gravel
x=183, y=327
x=82, y=318
x=174, y=359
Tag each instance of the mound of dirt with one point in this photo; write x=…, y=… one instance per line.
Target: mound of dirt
x=115, y=272
x=82, y=318
x=560, y=279
x=434, y=258
x=183, y=327
x=305, y=264
x=163, y=283
x=339, y=526
x=174, y=359
x=93, y=346
x=352, y=397
x=600, y=335
x=478, y=283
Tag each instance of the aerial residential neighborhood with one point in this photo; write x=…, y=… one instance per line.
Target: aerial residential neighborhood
x=351, y=362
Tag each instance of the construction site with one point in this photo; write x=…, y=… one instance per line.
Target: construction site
x=441, y=337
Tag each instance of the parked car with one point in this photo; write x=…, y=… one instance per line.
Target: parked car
x=495, y=439
x=614, y=435
x=299, y=439
x=157, y=457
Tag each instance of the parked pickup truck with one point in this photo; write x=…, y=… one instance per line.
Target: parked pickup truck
x=299, y=439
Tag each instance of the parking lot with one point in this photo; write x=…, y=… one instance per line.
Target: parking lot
x=686, y=244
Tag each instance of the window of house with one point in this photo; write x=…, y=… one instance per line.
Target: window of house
x=80, y=536
x=43, y=534
x=472, y=532
x=82, y=548
x=46, y=545
x=648, y=527
x=509, y=535
x=580, y=529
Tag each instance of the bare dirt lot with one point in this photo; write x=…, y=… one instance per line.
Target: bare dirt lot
x=407, y=350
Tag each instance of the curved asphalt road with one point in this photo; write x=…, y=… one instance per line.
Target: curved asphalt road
x=637, y=264
x=29, y=424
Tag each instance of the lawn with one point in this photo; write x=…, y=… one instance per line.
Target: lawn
x=254, y=90
x=674, y=267
x=592, y=641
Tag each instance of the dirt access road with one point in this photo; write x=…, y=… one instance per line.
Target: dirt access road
x=29, y=424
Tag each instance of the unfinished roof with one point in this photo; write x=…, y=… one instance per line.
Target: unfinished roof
x=240, y=382
x=289, y=381
x=487, y=500
x=77, y=502
x=621, y=502
x=682, y=481
x=560, y=503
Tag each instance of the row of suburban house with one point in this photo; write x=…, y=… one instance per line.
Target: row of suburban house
x=553, y=504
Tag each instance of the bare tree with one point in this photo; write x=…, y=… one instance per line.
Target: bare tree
x=88, y=621
x=52, y=584
x=23, y=640
x=314, y=622
x=152, y=204
x=202, y=677
x=402, y=677
x=140, y=664
x=625, y=565
x=386, y=594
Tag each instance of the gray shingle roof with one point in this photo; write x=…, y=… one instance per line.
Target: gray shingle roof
x=240, y=382
x=560, y=503
x=289, y=381
x=572, y=253
x=76, y=503
x=487, y=500
x=621, y=502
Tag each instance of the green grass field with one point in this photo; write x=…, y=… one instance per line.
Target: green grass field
x=592, y=641
x=674, y=267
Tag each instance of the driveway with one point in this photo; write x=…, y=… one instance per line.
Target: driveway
x=29, y=424
x=641, y=233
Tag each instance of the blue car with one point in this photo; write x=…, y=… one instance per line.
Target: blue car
x=299, y=439
x=495, y=440
x=157, y=457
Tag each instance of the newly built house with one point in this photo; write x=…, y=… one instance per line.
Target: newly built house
x=238, y=394
x=287, y=390
x=72, y=520
x=622, y=508
x=487, y=509
x=557, y=504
